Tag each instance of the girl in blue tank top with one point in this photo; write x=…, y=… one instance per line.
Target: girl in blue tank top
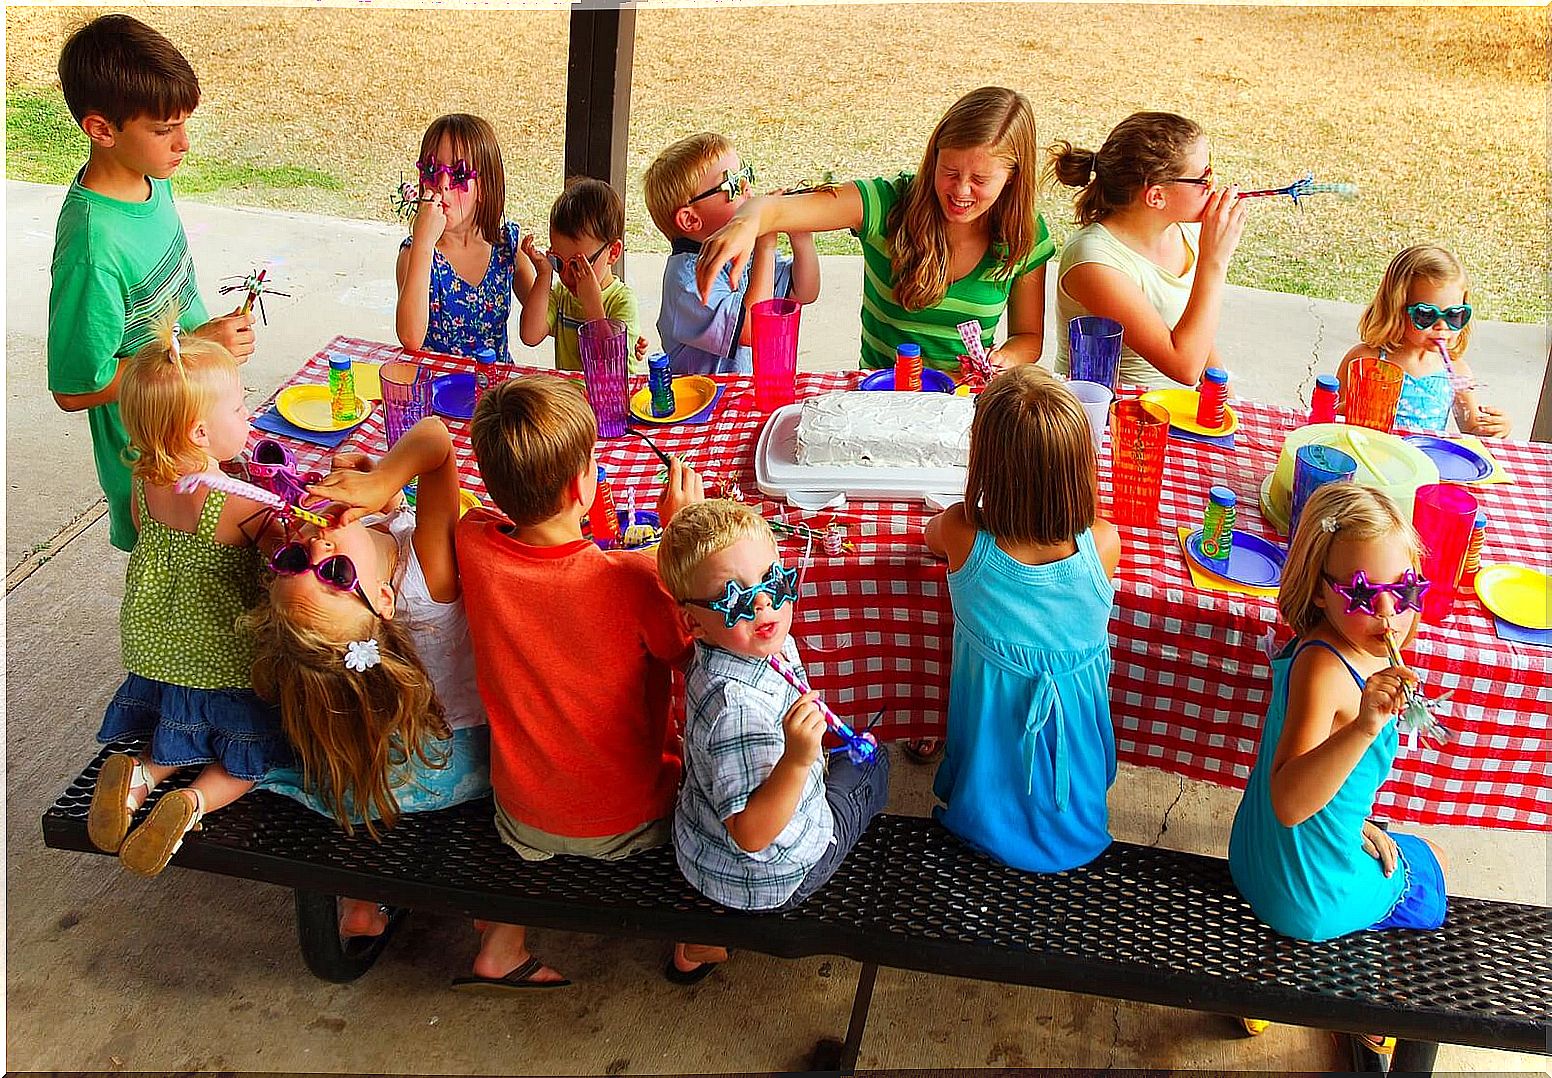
x=1030, y=752
x=1303, y=851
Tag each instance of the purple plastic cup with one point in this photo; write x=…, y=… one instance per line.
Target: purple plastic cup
x=1093, y=349
x=605, y=351
x=406, y=398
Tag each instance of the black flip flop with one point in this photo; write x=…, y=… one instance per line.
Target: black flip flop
x=694, y=976
x=515, y=980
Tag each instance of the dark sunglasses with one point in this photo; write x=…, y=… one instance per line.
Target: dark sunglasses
x=557, y=265
x=733, y=184
x=1361, y=592
x=336, y=571
x=1426, y=315
x=737, y=602
x=459, y=173
x=1204, y=180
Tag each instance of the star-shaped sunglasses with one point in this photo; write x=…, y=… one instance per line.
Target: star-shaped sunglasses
x=733, y=184
x=1361, y=593
x=459, y=173
x=737, y=602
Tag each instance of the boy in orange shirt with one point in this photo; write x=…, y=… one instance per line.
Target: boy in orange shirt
x=573, y=650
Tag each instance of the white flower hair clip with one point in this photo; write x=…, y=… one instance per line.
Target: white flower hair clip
x=175, y=349
x=362, y=655
x=1328, y=524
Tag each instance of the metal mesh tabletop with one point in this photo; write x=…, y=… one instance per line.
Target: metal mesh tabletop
x=1138, y=923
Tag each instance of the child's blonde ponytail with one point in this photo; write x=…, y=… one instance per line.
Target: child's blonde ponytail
x=167, y=387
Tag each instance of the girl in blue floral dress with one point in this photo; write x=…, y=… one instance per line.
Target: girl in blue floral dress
x=458, y=268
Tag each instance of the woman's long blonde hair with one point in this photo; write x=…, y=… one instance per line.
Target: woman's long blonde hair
x=1336, y=512
x=166, y=389
x=352, y=729
x=1384, y=321
x=1002, y=121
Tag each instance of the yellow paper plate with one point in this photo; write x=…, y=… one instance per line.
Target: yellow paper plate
x=308, y=408
x=1516, y=593
x=692, y=392
x=369, y=382
x=1181, y=406
x=467, y=500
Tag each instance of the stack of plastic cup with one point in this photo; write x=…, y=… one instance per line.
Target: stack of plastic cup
x=1314, y=466
x=1095, y=399
x=1373, y=388
x=604, y=354
x=1443, y=515
x=1093, y=349
x=406, y=398
x=774, y=346
x=1139, y=431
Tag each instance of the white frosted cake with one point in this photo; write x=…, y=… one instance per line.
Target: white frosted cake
x=885, y=430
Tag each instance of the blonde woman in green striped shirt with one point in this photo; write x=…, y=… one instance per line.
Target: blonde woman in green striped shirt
x=960, y=239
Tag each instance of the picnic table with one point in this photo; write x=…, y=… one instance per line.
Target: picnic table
x=1191, y=674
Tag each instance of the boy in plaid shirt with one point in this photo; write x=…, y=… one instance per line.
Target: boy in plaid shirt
x=760, y=824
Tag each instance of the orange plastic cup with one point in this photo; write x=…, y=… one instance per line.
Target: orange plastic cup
x=1373, y=388
x=1139, y=431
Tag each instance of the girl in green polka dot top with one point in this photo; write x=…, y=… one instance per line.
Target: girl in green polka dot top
x=194, y=569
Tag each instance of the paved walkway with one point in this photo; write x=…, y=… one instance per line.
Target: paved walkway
x=193, y=972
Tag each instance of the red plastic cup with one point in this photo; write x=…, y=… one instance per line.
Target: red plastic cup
x=774, y=342
x=1139, y=431
x=1443, y=515
x=1373, y=388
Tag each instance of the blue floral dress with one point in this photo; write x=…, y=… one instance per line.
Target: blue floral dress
x=466, y=318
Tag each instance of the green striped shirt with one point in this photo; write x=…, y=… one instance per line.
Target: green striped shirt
x=979, y=294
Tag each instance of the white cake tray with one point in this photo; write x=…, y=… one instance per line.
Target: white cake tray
x=778, y=473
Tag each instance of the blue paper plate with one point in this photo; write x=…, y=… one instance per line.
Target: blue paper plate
x=452, y=396
x=933, y=380
x=1456, y=463
x=1252, y=560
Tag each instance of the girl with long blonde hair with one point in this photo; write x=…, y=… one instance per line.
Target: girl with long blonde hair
x=958, y=239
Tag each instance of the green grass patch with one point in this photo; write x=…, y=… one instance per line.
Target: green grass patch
x=43, y=144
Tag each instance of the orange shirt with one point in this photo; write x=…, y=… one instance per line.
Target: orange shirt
x=573, y=650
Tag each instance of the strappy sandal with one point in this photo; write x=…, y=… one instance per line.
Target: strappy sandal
x=151, y=845
x=114, y=803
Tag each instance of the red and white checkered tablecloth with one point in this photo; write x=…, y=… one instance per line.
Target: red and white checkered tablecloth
x=1191, y=680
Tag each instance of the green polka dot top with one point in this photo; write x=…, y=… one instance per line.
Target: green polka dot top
x=182, y=596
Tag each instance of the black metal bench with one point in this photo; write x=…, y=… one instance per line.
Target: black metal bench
x=1140, y=923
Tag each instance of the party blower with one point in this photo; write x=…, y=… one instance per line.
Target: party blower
x=1302, y=188
x=860, y=748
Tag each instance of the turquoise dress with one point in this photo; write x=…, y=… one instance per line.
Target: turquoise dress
x=1425, y=403
x=1030, y=750
x=1312, y=881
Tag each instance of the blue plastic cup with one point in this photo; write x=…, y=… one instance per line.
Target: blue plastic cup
x=1093, y=349
x=1313, y=467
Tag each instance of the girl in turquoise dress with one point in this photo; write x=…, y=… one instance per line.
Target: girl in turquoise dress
x=192, y=572
x=459, y=267
x=1422, y=307
x=1303, y=851
x=1030, y=751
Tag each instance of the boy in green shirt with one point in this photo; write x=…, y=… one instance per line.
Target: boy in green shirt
x=120, y=253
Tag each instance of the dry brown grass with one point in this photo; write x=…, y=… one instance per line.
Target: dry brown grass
x=1438, y=113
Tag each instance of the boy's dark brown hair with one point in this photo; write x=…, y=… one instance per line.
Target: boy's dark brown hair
x=588, y=207
x=1032, y=475
x=532, y=436
x=120, y=69
x=474, y=139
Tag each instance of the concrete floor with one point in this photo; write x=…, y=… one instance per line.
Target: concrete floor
x=195, y=972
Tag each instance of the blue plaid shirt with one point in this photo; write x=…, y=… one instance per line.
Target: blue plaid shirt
x=732, y=741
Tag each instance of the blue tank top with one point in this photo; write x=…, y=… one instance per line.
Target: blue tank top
x=1030, y=749
x=1312, y=881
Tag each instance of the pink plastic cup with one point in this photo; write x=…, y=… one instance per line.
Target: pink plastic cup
x=1138, y=433
x=1443, y=515
x=406, y=398
x=774, y=341
x=604, y=354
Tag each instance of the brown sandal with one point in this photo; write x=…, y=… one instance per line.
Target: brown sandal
x=113, y=805
x=151, y=845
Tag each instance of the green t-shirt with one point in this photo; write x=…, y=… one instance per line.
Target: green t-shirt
x=979, y=294
x=566, y=318
x=116, y=267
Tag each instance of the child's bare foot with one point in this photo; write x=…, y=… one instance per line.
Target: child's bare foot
x=358, y=918
x=504, y=962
